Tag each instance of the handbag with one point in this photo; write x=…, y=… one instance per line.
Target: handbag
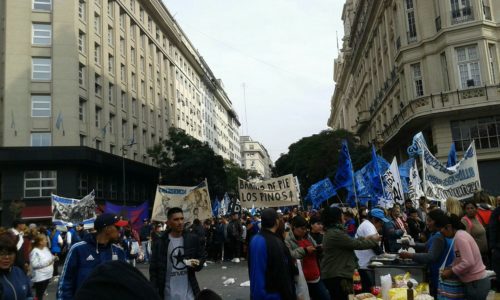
x=301, y=288
x=450, y=288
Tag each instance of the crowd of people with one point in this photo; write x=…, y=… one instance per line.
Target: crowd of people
x=325, y=248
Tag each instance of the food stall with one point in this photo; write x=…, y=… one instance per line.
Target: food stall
x=390, y=264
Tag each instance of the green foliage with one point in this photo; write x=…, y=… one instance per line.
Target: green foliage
x=315, y=157
x=185, y=161
x=233, y=172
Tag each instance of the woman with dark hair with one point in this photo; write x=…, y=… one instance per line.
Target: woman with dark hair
x=435, y=250
x=339, y=261
x=42, y=265
x=14, y=282
x=467, y=265
x=476, y=229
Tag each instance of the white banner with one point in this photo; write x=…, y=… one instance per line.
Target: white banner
x=193, y=200
x=76, y=211
x=415, y=190
x=275, y=192
x=393, y=187
x=459, y=181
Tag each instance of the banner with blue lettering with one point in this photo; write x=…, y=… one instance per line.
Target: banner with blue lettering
x=459, y=181
x=76, y=211
x=193, y=200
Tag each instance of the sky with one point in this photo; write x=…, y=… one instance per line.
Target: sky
x=274, y=55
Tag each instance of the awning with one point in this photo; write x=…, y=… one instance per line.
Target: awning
x=36, y=212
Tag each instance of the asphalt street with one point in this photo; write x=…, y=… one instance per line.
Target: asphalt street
x=211, y=277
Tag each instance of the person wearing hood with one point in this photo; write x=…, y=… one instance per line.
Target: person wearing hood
x=86, y=255
x=339, y=261
x=116, y=280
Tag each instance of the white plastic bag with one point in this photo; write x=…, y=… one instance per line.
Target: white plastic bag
x=301, y=284
x=134, y=248
x=386, y=282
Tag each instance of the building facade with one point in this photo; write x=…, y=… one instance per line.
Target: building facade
x=87, y=86
x=432, y=66
x=254, y=157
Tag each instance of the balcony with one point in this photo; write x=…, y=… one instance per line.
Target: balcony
x=462, y=15
x=451, y=101
x=362, y=121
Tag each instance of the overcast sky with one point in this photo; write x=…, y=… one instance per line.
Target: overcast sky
x=282, y=50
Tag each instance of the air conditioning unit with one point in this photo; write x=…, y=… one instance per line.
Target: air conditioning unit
x=470, y=82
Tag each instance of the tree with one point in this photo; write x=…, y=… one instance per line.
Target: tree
x=315, y=157
x=233, y=172
x=185, y=161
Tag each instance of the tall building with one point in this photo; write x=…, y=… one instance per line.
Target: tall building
x=254, y=157
x=432, y=66
x=86, y=87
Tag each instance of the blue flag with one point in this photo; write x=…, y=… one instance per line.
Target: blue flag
x=404, y=173
x=343, y=177
x=59, y=121
x=369, y=187
x=320, y=192
x=452, y=156
x=215, y=207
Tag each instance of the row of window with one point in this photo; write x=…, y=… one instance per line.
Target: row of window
x=485, y=131
x=43, y=183
x=468, y=66
x=461, y=11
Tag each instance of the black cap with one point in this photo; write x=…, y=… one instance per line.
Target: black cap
x=108, y=219
x=315, y=219
x=299, y=221
x=268, y=217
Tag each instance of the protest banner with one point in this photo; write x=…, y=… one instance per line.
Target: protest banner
x=275, y=192
x=193, y=200
x=393, y=187
x=76, y=211
x=415, y=190
x=459, y=181
x=134, y=214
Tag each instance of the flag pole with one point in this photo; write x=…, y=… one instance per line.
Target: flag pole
x=424, y=181
x=353, y=182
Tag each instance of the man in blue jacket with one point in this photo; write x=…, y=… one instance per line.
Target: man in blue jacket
x=86, y=255
x=270, y=264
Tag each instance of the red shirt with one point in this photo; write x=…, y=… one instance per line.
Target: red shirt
x=309, y=262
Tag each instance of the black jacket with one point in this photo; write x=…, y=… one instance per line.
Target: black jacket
x=159, y=257
x=234, y=231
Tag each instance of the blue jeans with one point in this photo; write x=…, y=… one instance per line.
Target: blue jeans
x=144, y=245
x=478, y=289
x=318, y=291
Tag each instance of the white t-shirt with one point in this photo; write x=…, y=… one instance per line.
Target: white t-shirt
x=41, y=261
x=365, y=229
x=177, y=284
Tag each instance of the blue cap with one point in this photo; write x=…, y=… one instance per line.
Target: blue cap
x=379, y=214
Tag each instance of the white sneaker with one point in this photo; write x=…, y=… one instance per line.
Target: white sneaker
x=236, y=260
